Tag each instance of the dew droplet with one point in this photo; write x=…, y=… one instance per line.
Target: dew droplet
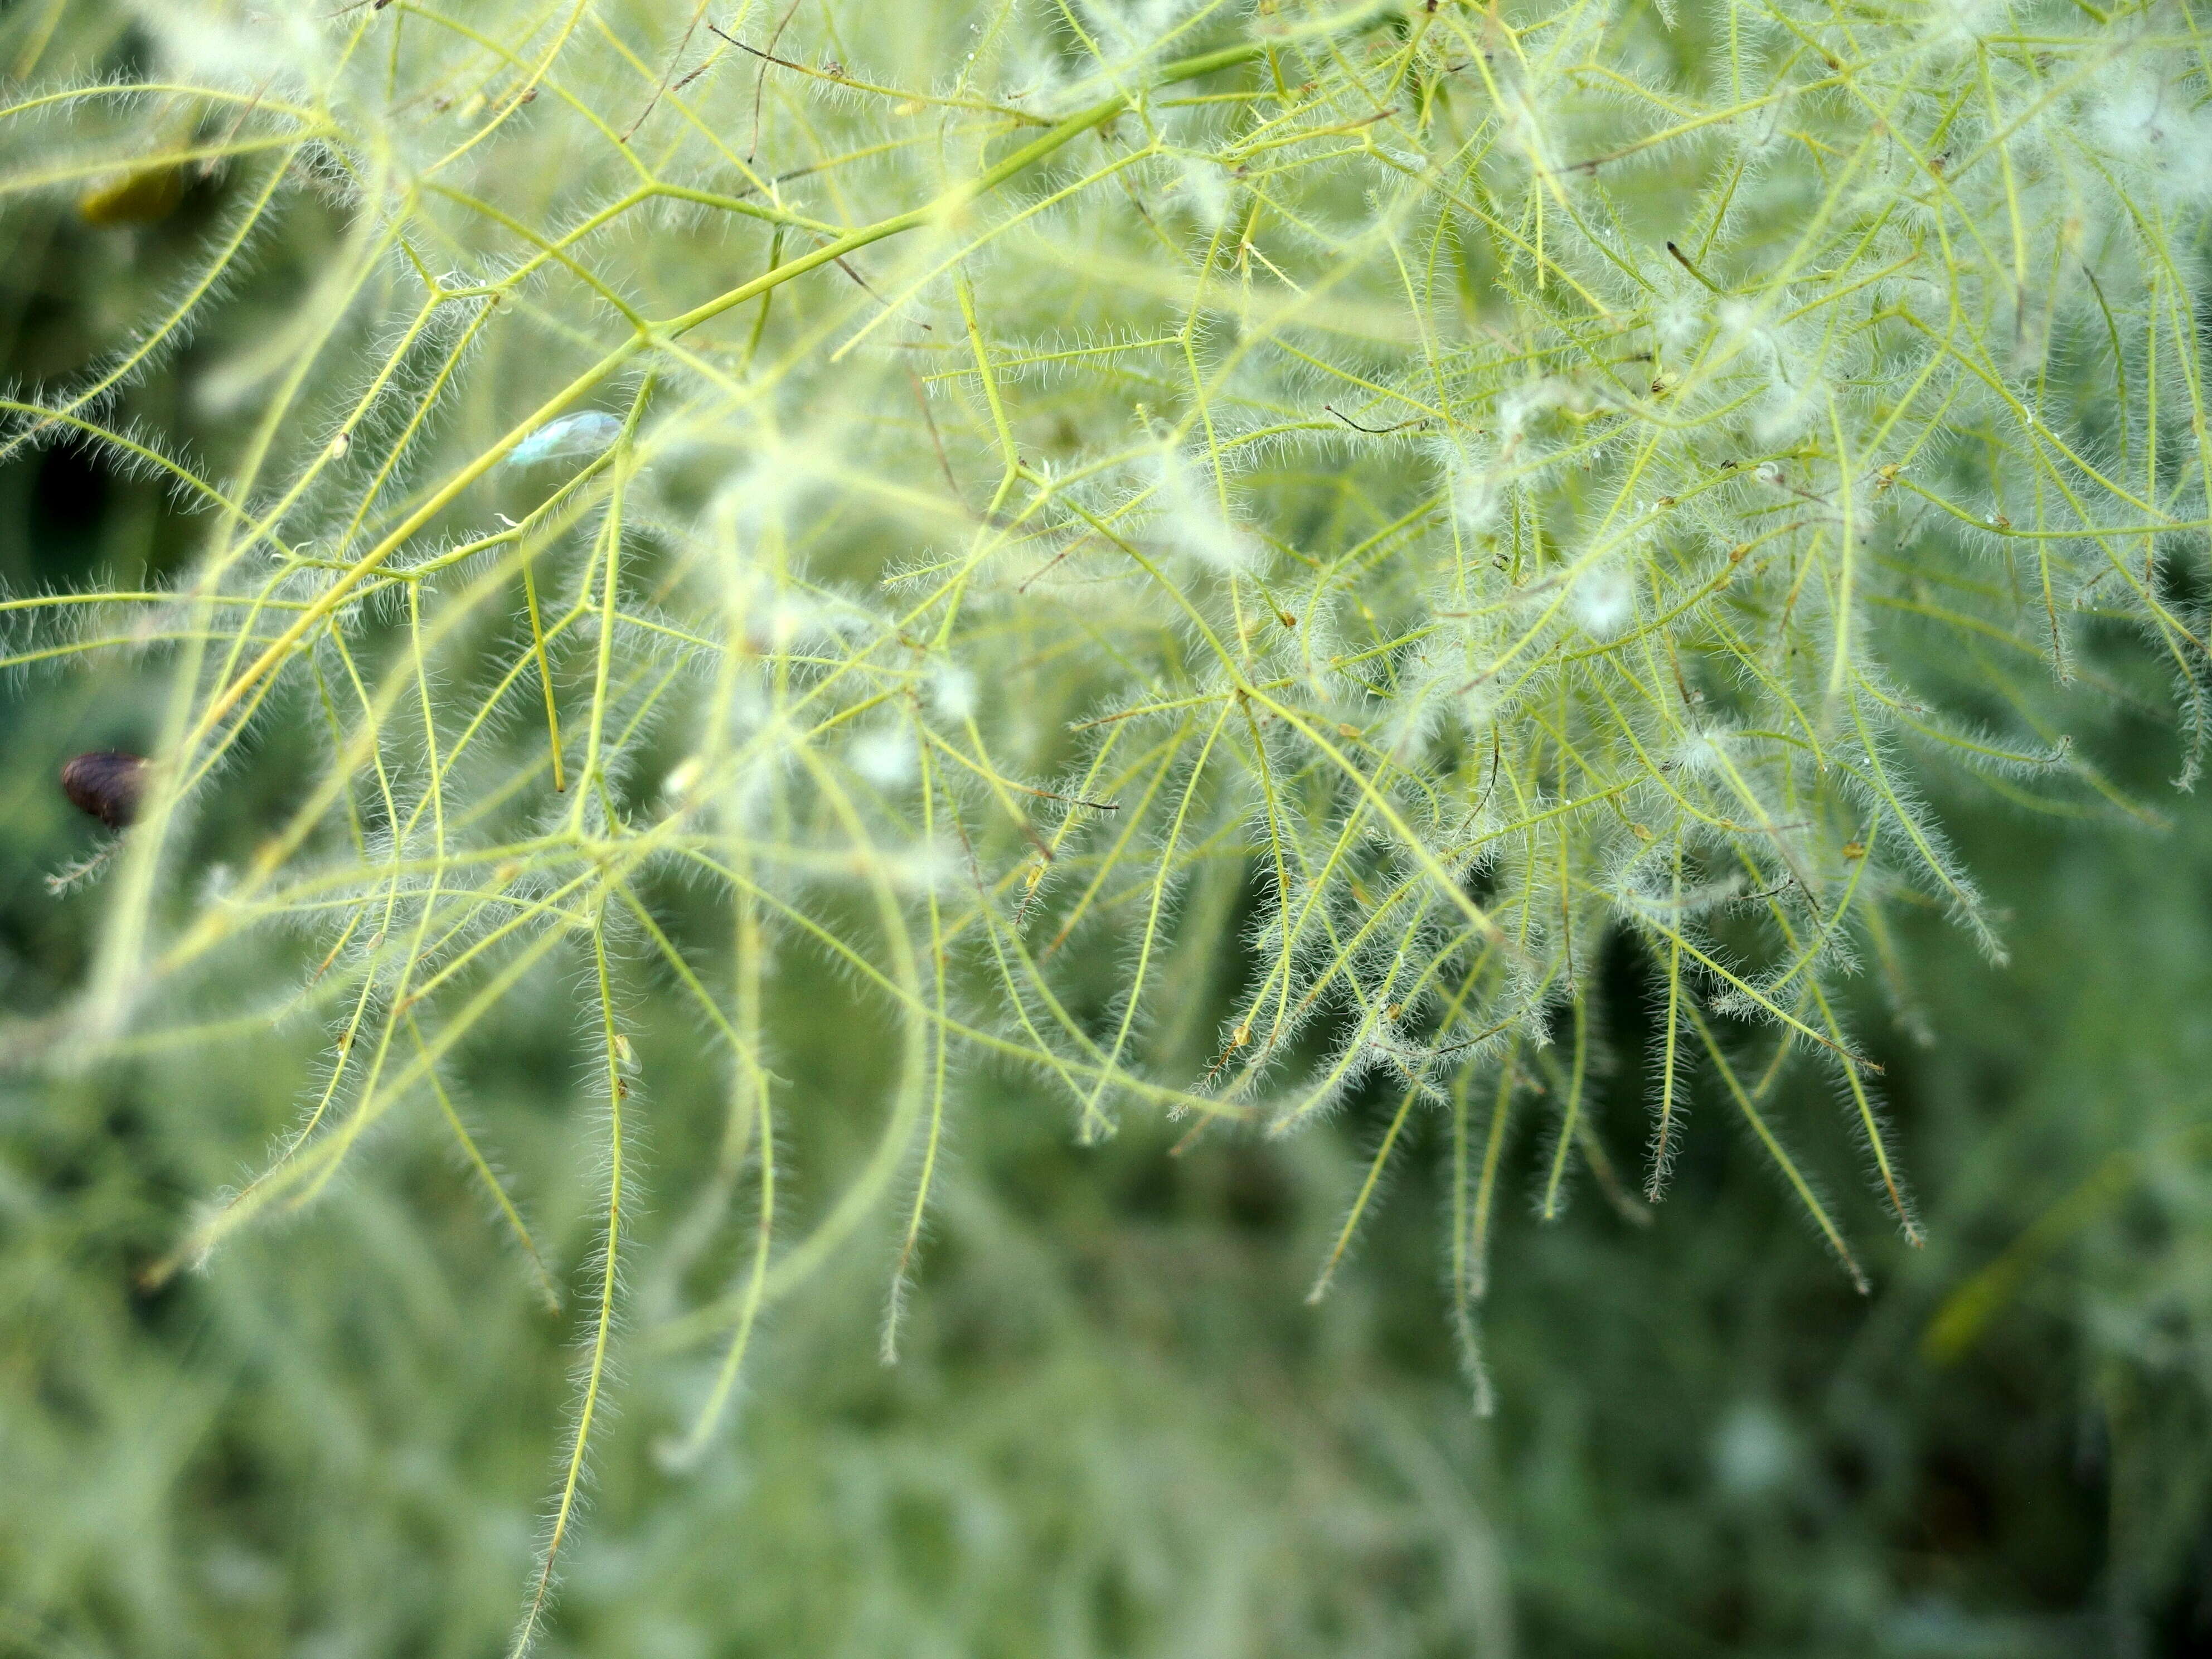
x=569, y=438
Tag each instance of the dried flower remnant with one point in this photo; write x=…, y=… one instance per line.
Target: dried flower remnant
x=141, y=196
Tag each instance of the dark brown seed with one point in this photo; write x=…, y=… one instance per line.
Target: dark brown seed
x=106, y=785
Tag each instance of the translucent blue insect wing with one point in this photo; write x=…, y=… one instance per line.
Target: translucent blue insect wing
x=570, y=437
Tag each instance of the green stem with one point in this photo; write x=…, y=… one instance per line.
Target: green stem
x=950, y=201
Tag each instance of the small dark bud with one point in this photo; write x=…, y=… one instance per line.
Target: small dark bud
x=108, y=785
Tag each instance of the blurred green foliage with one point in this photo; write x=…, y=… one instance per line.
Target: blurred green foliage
x=1117, y=1429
